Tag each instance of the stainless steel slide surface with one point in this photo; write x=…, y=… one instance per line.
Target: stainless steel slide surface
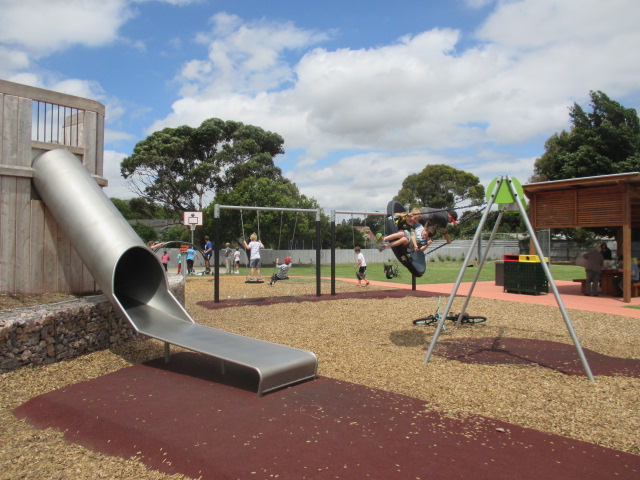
x=132, y=278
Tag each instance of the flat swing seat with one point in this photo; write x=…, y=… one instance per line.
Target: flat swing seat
x=413, y=261
x=254, y=280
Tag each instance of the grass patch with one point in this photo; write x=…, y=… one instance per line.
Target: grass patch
x=437, y=272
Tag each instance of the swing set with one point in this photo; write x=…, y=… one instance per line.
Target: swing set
x=217, y=240
x=507, y=193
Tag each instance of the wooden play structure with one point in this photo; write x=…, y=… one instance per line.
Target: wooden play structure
x=36, y=256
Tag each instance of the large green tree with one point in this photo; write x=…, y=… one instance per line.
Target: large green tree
x=440, y=186
x=604, y=141
x=180, y=167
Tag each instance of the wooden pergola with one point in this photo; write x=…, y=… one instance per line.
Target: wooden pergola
x=605, y=201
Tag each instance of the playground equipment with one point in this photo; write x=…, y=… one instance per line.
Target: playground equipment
x=217, y=242
x=333, y=242
x=413, y=260
x=133, y=279
x=391, y=270
x=465, y=318
x=507, y=193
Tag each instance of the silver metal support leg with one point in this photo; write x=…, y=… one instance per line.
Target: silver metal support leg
x=545, y=267
x=483, y=220
x=480, y=266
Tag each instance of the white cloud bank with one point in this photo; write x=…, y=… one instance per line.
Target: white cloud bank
x=358, y=121
x=418, y=101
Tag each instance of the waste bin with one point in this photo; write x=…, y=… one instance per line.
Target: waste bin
x=525, y=275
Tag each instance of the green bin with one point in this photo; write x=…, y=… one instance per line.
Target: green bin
x=525, y=277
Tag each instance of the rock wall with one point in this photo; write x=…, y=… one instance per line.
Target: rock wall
x=46, y=334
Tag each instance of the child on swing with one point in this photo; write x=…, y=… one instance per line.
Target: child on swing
x=411, y=233
x=434, y=218
x=282, y=272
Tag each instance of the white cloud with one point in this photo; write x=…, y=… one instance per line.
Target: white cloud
x=244, y=57
x=533, y=60
x=39, y=27
x=395, y=108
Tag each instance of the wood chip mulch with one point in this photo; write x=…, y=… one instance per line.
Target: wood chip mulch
x=370, y=342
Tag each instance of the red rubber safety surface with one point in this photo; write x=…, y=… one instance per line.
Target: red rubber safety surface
x=557, y=356
x=180, y=417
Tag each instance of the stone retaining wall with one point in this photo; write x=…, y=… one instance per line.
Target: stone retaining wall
x=50, y=333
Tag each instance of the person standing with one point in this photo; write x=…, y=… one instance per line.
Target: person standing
x=179, y=258
x=360, y=267
x=255, y=262
x=228, y=257
x=191, y=255
x=236, y=260
x=165, y=260
x=208, y=251
x=593, y=268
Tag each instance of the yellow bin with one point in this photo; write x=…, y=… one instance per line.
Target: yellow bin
x=532, y=258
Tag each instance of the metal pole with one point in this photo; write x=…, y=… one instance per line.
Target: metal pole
x=333, y=252
x=216, y=249
x=483, y=220
x=333, y=240
x=318, y=259
x=480, y=266
x=547, y=271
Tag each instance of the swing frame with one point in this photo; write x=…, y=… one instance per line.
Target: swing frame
x=218, y=245
x=333, y=238
x=506, y=192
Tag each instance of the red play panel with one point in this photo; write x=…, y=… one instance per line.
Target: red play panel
x=180, y=418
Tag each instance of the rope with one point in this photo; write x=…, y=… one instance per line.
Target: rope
x=258, y=212
x=280, y=233
x=242, y=223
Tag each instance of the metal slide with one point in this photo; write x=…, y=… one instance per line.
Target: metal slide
x=133, y=279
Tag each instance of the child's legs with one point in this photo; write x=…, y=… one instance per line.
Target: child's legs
x=394, y=236
x=403, y=240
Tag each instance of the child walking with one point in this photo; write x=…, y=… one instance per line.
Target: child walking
x=236, y=260
x=360, y=267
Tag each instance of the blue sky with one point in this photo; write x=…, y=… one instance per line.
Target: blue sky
x=364, y=93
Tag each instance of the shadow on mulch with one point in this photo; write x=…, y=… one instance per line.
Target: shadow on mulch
x=548, y=354
x=321, y=429
x=362, y=294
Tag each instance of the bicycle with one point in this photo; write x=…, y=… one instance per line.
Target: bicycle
x=466, y=318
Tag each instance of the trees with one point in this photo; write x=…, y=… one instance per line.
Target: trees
x=179, y=167
x=140, y=208
x=440, y=186
x=601, y=142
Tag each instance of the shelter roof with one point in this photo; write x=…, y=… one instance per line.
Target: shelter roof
x=584, y=182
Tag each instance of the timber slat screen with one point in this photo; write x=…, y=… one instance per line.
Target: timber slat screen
x=36, y=256
x=586, y=207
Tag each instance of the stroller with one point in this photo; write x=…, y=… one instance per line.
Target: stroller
x=391, y=270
